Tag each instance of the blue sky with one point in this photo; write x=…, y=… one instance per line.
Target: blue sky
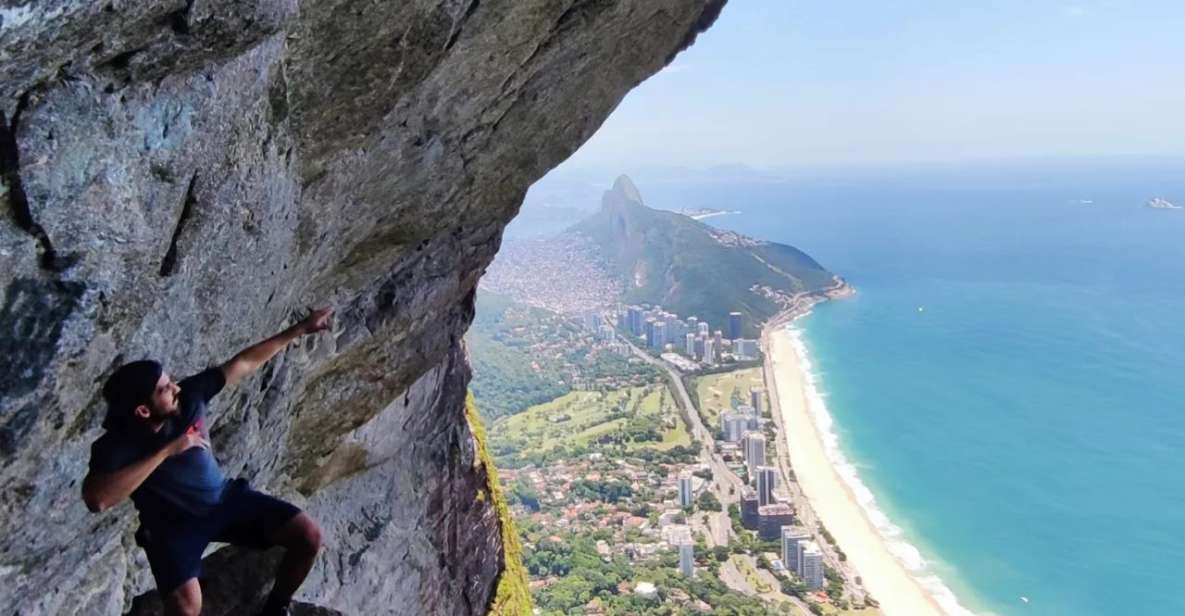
x=784, y=83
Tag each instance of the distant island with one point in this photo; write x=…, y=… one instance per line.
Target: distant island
x=700, y=213
x=1158, y=203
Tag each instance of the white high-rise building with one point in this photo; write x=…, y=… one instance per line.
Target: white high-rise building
x=735, y=427
x=810, y=561
x=767, y=480
x=690, y=345
x=703, y=328
x=756, y=399
x=685, y=494
x=754, y=451
x=791, y=537
x=687, y=559
x=754, y=421
x=709, y=351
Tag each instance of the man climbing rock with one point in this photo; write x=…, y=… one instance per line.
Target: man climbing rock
x=156, y=449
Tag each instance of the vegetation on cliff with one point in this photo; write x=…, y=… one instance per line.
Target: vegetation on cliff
x=512, y=597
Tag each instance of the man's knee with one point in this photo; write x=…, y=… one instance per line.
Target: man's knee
x=185, y=601
x=312, y=536
x=304, y=535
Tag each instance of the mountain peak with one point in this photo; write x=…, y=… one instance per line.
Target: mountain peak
x=689, y=267
x=625, y=187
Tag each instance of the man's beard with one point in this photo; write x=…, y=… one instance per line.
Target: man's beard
x=161, y=414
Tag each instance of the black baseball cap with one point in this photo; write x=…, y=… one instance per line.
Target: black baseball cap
x=129, y=386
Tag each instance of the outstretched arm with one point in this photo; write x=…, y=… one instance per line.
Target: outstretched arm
x=254, y=356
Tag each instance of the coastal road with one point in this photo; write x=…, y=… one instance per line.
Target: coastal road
x=723, y=479
x=720, y=471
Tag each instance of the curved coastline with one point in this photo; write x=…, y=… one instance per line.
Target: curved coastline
x=892, y=569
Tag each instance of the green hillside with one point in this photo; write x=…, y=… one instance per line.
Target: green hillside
x=507, y=378
x=690, y=267
x=523, y=356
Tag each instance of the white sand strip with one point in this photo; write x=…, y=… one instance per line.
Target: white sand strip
x=888, y=581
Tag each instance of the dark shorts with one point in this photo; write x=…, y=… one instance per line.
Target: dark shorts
x=244, y=517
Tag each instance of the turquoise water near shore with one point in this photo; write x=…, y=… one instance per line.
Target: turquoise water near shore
x=1009, y=380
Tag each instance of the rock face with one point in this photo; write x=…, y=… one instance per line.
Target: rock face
x=184, y=177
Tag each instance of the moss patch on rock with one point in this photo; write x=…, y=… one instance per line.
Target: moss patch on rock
x=513, y=597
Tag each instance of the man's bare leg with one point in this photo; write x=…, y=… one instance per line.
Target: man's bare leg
x=185, y=601
x=301, y=539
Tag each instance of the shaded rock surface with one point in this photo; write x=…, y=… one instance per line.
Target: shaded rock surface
x=183, y=177
x=231, y=587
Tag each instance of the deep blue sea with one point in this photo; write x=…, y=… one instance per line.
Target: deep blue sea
x=1026, y=428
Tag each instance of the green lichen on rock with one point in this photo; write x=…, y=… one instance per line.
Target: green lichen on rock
x=513, y=597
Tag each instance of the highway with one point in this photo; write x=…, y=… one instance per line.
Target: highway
x=723, y=479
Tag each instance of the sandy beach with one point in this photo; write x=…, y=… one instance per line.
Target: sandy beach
x=898, y=592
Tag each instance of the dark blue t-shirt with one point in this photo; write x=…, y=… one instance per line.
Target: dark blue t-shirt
x=188, y=483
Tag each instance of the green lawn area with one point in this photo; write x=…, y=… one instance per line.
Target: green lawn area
x=716, y=392
x=747, y=569
x=670, y=438
x=587, y=418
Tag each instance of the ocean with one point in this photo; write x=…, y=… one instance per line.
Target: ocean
x=1008, y=380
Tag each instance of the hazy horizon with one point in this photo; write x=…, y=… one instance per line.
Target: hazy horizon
x=784, y=86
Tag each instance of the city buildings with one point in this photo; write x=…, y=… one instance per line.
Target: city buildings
x=685, y=495
x=735, y=426
x=754, y=452
x=744, y=348
x=709, y=351
x=689, y=347
x=680, y=538
x=810, y=562
x=687, y=559
x=660, y=335
x=756, y=399
x=734, y=325
x=749, y=506
x=771, y=519
x=752, y=420
x=635, y=320
x=791, y=537
x=767, y=477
